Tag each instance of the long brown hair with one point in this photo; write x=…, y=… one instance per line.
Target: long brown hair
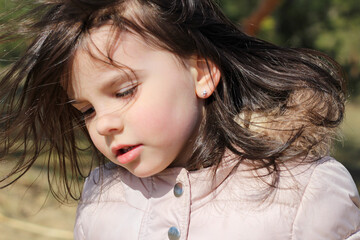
x=272, y=104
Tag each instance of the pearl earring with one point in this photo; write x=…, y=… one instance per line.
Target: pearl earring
x=204, y=93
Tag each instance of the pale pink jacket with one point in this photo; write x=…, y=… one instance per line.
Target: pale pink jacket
x=313, y=202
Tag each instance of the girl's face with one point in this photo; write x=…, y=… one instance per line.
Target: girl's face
x=145, y=121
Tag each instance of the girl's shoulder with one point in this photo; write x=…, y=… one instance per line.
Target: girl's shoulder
x=316, y=200
x=329, y=173
x=329, y=202
x=326, y=178
x=325, y=173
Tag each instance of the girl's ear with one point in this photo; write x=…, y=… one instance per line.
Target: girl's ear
x=206, y=78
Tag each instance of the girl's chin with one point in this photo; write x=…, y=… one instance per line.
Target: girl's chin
x=143, y=171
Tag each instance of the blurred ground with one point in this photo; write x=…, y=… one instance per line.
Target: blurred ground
x=28, y=212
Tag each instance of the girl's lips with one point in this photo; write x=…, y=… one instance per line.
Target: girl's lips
x=128, y=154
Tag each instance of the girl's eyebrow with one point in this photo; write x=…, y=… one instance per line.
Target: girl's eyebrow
x=123, y=76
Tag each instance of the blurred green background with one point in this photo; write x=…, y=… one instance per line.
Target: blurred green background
x=27, y=211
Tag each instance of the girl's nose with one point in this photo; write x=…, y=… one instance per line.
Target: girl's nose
x=108, y=124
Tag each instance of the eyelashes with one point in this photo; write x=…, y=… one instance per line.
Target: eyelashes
x=126, y=93
x=87, y=112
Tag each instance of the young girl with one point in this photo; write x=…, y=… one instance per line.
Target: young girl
x=207, y=133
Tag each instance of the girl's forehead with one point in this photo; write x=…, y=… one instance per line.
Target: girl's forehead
x=107, y=40
x=107, y=48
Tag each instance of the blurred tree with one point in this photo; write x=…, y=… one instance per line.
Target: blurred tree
x=10, y=10
x=238, y=10
x=252, y=24
x=331, y=26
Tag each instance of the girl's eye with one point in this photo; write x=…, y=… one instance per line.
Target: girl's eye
x=126, y=92
x=87, y=112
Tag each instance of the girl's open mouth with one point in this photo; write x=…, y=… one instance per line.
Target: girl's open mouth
x=128, y=154
x=125, y=150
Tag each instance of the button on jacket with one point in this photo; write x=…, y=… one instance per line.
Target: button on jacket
x=314, y=201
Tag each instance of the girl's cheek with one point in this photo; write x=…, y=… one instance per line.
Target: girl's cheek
x=148, y=119
x=163, y=120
